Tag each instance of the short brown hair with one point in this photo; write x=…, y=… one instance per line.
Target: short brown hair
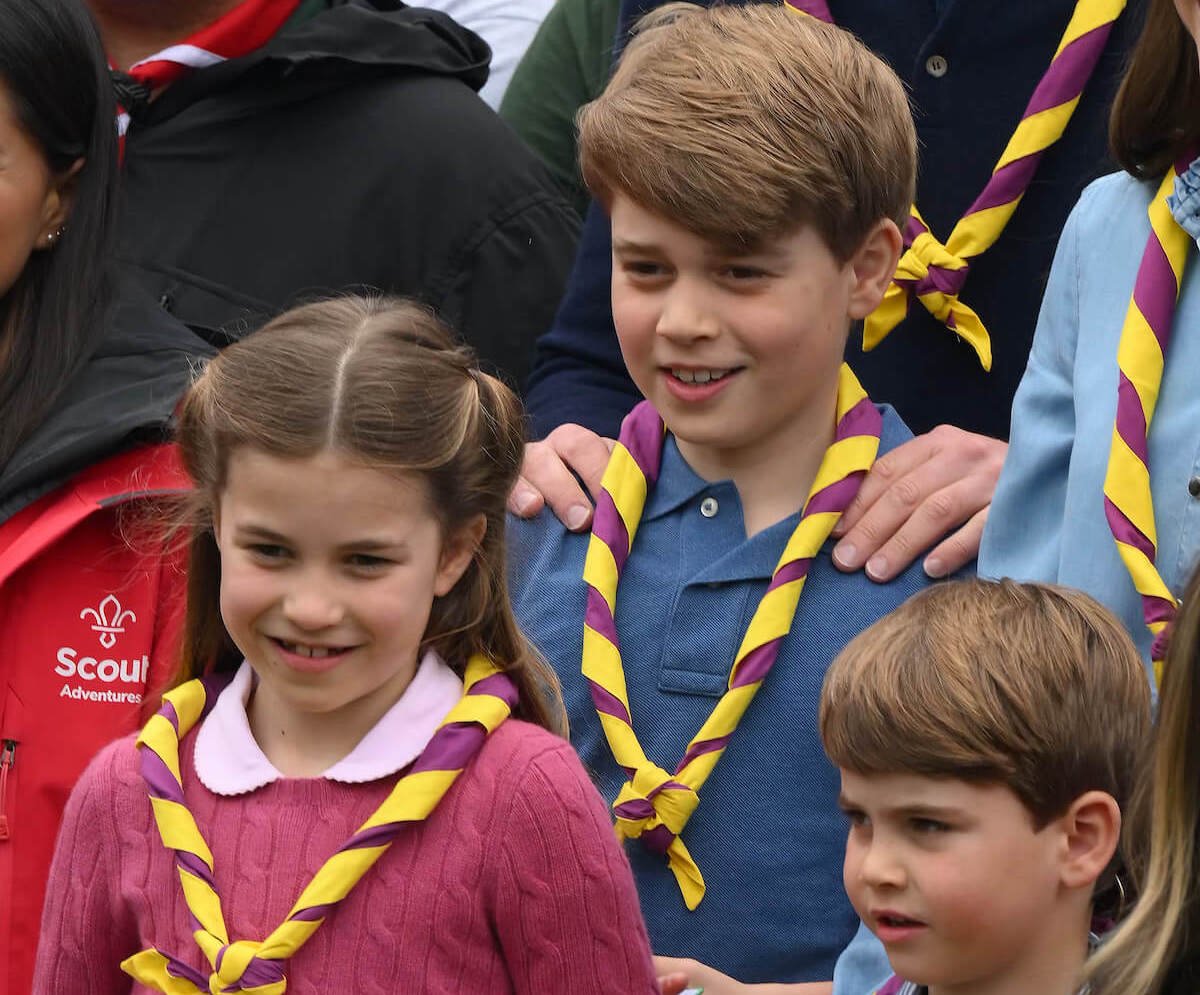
x=743, y=123
x=1032, y=686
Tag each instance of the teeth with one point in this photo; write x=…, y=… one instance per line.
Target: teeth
x=313, y=652
x=698, y=376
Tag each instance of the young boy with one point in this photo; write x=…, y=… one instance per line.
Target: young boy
x=755, y=166
x=988, y=737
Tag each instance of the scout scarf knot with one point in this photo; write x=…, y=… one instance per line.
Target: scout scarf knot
x=653, y=805
x=1141, y=357
x=258, y=967
x=1045, y=118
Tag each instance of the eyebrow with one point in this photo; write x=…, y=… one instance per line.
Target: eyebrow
x=918, y=809
x=366, y=544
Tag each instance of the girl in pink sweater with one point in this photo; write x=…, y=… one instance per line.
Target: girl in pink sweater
x=356, y=786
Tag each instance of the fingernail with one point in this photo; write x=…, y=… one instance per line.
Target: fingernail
x=846, y=556
x=577, y=517
x=877, y=568
x=934, y=567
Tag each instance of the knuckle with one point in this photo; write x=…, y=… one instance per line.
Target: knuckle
x=905, y=494
x=940, y=507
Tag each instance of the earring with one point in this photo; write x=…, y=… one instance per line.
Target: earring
x=54, y=236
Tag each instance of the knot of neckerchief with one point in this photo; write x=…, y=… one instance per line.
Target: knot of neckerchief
x=1141, y=358
x=131, y=94
x=655, y=805
x=489, y=697
x=934, y=271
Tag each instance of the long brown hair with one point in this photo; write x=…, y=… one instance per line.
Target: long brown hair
x=1166, y=827
x=1156, y=115
x=383, y=382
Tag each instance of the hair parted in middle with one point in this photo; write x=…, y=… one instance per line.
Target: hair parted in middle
x=744, y=123
x=1032, y=686
x=383, y=383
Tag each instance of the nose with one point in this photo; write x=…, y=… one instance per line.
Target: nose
x=879, y=865
x=688, y=313
x=311, y=604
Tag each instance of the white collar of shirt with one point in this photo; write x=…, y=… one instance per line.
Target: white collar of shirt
x=228, y=761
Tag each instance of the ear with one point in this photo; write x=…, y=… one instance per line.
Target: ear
x=873, y=265
x=457, y=553
x=60, y=198
x=1091, y=831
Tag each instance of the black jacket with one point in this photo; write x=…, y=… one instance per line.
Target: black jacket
x=124, y=395
x=350, y=152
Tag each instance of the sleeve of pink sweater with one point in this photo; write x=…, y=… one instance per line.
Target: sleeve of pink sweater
x=86, y=929
x=567, y=910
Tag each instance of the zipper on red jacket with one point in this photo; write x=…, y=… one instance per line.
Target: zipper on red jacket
x=8, y=760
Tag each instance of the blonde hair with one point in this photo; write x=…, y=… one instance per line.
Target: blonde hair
x=384, y=383
x=1164, y=830
x=743, y=123
x=1032, y=686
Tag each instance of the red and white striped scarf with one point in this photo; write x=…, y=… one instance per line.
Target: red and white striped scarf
x=249, y=26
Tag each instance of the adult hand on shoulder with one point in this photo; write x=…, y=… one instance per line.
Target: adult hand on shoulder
x=913, y=496
x=547, y=475
x=676, y=975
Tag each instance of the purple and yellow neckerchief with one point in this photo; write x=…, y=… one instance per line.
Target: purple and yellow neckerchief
x=1141, y=356
x=258, y=967
x=934, y=271
x=653, y=804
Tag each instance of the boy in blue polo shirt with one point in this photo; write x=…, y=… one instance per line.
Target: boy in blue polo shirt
x=756, y=165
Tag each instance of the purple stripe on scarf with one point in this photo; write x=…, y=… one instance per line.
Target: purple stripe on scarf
x=194, y=865
x=1125, y=531
x=891, y=987
x=658, y=839
x=1158, y=609
x=756, y=664
x=178, y=969
x=913, y=228
x=168, y=712
x=942, y=280
x=258, y=972
x=1158, y=648
x=609, y=528
x=608, y=703
x=1131, y=419
x=158, y=777
x=1155, y=291
x=862, y=419
x=498, y=686
x=380, y=835
x=451, y=748
x=837, y=496
x=707, y=746
x=1007, y=183
x=817, y=8
x=598, y=618
x=214, y=684
x=314, y=912
x=791, y=571
x=635, y=809
x=1070, y=72
x=642, y=434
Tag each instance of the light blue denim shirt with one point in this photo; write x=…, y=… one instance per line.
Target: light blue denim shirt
x=1047, y=519
x=768, y=835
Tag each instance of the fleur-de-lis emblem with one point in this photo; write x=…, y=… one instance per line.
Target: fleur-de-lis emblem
x=110, y=620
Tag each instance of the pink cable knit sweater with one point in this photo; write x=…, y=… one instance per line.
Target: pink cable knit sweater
x=514, y=884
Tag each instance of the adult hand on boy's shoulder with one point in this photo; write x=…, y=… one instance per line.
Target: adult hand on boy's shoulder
x=549, y=472
x=914, y=496
x=676, y=975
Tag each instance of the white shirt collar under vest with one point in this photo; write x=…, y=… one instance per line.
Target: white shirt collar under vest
x=228, y=761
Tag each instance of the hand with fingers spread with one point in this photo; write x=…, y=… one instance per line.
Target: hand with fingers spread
x=550, y=471
x=913, y=497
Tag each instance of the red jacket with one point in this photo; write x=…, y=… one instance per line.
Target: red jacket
x=88, y=623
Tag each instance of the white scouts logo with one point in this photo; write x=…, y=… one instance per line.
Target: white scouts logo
x=110, y=620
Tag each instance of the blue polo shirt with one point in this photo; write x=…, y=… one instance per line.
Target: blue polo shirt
x=767, y=835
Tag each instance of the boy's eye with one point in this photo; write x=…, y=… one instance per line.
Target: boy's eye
x=741, y=273
x=855, y=817
x=929, y=826
x=643, y=268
